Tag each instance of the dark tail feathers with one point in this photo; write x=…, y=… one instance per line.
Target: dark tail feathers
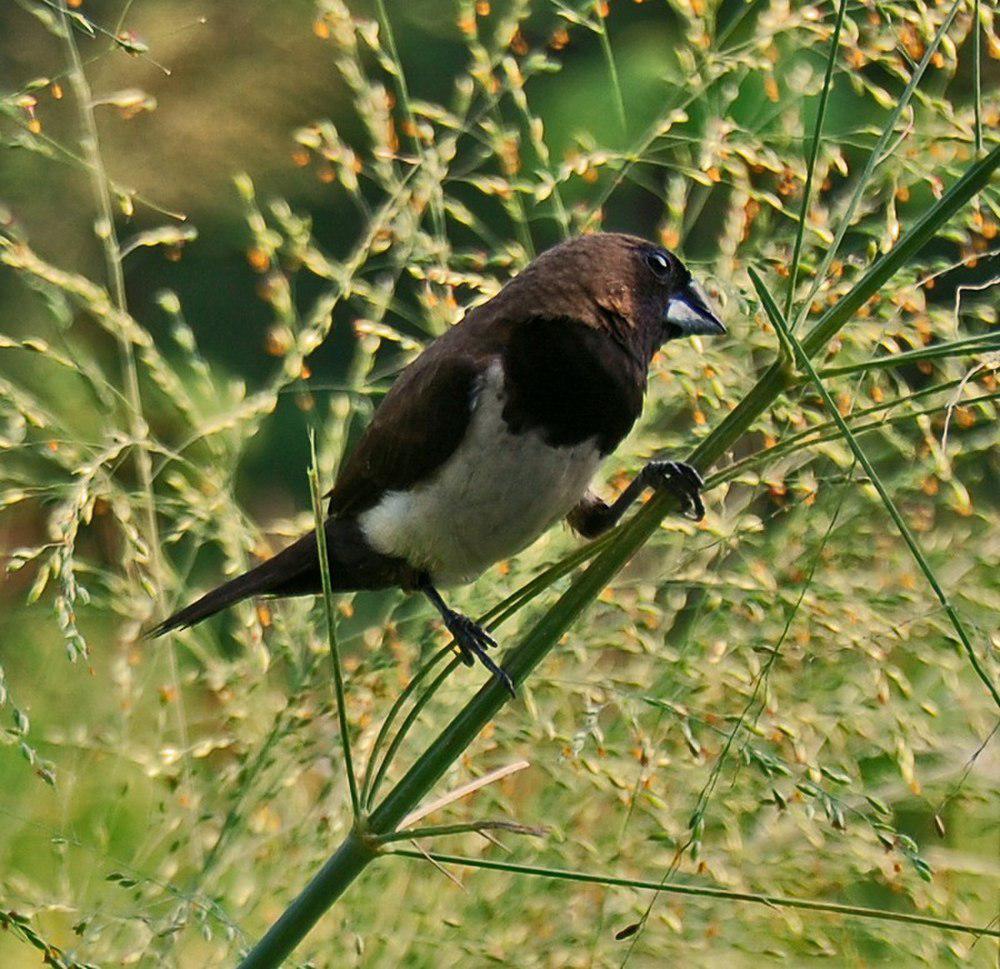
x=293, y=571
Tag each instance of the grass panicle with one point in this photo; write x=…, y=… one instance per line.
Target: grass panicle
x=802, y=359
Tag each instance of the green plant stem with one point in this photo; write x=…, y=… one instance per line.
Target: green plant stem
x=828, y=432
x=778, y=320
x=494, y=617
x=333, y=879
x=977, y=76
x=436, y=830
x=977, y=176
x=137, y=427
x=813, y=154
x=394, y=710
x=91, y=146
x=817, y=434
x=984, y=343
x=331, y=632
x=778, y=901
x=609, y=57
x=874, y=158
x=436, y=207
x=449, y=745
x=404, y=728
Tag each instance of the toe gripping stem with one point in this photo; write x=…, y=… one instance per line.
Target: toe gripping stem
x=680, y=479
x=471, y=638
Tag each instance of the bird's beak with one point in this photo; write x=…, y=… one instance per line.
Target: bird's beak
x=689, y=311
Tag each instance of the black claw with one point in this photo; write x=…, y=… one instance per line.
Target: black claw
x=692, y=474
x=506, y=682
x=697, y=507
x=682, y=480
x=457, y=625
x=473, y=641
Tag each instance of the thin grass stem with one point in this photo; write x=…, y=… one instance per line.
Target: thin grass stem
x=874, y=157
x=108, y=236
x=137, y=427
x=331, y=631
x=405, y=726
x=813, y=154
x=977, y=75
x=829, y=432
x=773, y=901
x=233, y=815
x=436, y=207
x=609, y=57
x=477, y=827
x=394, y=710
x=983, y=343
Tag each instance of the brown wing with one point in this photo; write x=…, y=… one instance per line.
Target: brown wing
x=415, y=429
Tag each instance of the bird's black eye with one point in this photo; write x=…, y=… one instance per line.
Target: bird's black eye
x=658, y=262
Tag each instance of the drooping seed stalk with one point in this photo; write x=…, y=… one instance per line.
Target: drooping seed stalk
x=781, y=325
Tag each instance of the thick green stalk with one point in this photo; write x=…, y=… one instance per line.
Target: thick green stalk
x=323, y=890
x=350, y=859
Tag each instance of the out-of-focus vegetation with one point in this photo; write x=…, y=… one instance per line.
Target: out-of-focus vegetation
x=771, y=702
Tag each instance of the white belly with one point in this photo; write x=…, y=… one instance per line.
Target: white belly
x=493, y=497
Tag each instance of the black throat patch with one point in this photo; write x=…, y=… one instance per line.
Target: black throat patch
x=572, y=383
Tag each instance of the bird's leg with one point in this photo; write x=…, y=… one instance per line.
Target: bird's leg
x=592, y=517
x=471, y=638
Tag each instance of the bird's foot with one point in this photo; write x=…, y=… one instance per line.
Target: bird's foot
x=681, y=480
x=473, y=641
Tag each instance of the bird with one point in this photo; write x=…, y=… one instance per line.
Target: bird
x=495, y=432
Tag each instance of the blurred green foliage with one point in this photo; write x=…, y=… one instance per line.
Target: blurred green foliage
x=770, y=702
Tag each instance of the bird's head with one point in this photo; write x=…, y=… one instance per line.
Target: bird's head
x=636, y=290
